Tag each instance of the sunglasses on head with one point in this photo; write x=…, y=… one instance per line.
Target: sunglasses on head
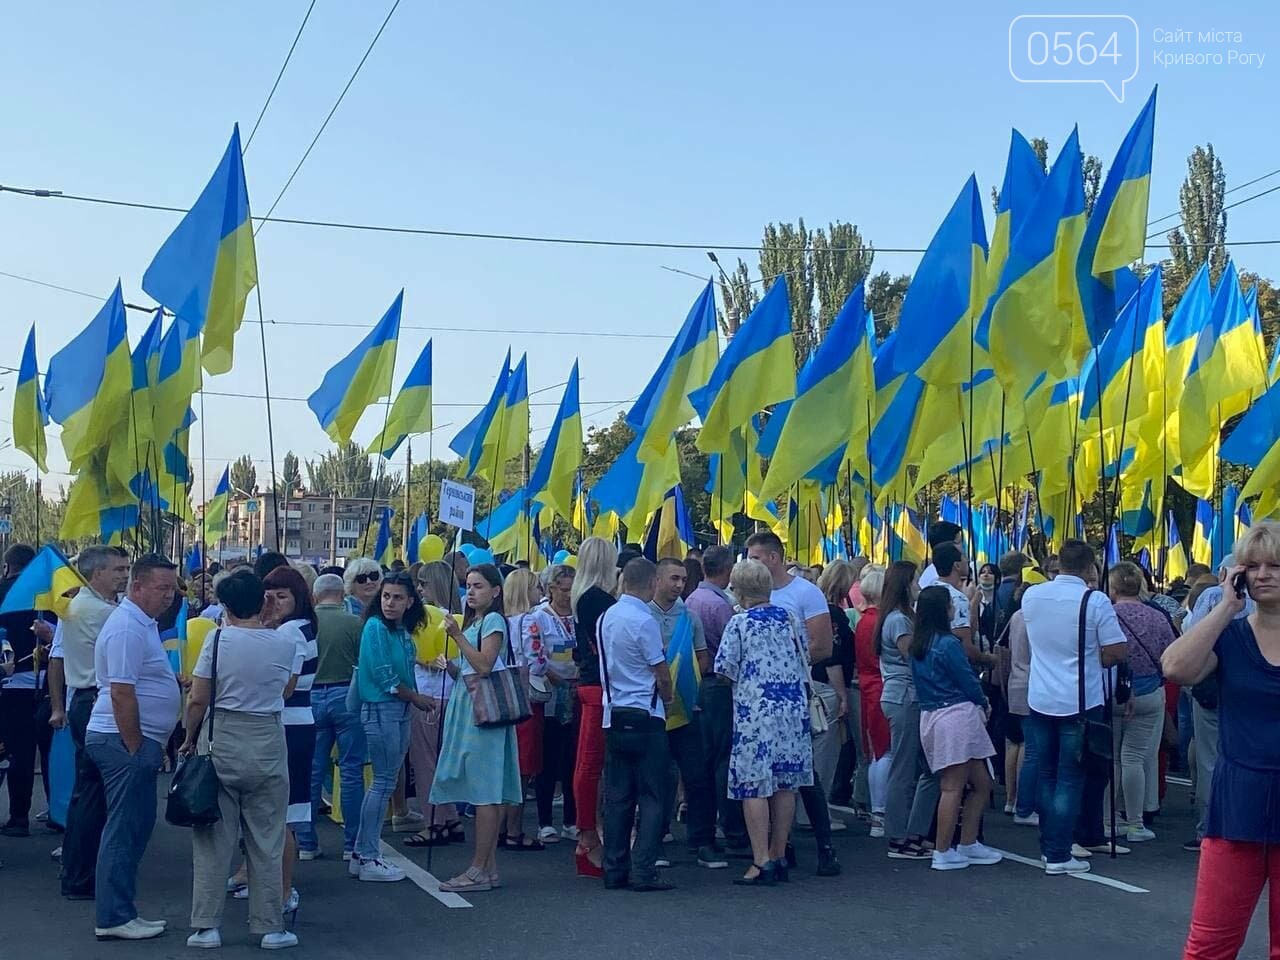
x=368, y=577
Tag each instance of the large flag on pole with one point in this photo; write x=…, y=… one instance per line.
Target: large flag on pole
x=205, y=270
x=30, y=415
x=476, y=442
x=360, y=378
x=411, y=412
x=552, y=480
x=215, y=511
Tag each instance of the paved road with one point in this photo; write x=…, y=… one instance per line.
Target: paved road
x=878, y=909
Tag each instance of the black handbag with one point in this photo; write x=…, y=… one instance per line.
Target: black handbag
x=192, y=800
x=1096, y=743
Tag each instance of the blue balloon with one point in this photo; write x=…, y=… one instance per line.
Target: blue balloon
x=561, y=556
x=467, y=549
x=480, y=556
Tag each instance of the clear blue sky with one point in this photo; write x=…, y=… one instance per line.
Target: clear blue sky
x=663, y=121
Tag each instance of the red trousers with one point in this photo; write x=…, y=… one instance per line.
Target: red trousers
x=590, y=761
x=1232, y=875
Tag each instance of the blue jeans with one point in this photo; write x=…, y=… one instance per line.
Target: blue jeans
x=336, y=724
x=129, y=781
x=1028, y=776
x=1057, y=743
x=386, y=732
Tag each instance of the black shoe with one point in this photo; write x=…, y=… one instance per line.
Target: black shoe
x=324, y=809
x=711, y=858
x=1192, y=845
x=622, y=884
x=77, y=895
x=789, y=858
x=766, y=876
x=781, y=872
x=652, y=886
x=16, y=828
x=1149, y=818
x=828, y=865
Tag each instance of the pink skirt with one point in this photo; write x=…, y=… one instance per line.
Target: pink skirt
x=954, y=734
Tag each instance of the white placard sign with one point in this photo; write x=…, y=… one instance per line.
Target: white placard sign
x=457, y=505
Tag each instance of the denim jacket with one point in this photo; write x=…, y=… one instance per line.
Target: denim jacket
x=386, y=661
x=944, y=678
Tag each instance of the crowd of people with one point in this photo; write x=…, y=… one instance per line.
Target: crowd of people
x=902, y=694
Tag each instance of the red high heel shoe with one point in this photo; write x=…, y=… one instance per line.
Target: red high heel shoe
x=585, y=867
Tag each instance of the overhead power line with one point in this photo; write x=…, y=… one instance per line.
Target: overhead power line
x=287, y=57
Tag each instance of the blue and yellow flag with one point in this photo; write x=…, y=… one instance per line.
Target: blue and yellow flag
x=898, y=400
x=632, y=489
x=1255, y=442
x=362, y=377
x=946, y=298
x=663, y=406
x=1034, y=321
x=178, y=376
x=1120, y=378
x=413, y=546
x=756, y=369
x=1117, y=229
x=1175, y=557
x=90, y=381
x=508, y=523
x=832, y=379
x=685, y=677
x=734, y=481
x=552, y=481
x=382, y=549
x=478, y=441
x=205, y=270
x=215, y=511
x=515, y=418
x=43, y=584
x=1202, y=534
x=30, y=415
x=1023, y=178
x=671, y=531
x=411, y=411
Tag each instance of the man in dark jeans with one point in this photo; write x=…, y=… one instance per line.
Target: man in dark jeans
x=636, y=687
x=18, y=698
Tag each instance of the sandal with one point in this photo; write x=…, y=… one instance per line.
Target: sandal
x=519, y=842
x=435, y=837
x=455, y=832
x=472, y=881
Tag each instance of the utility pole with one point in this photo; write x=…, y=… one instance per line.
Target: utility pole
x=408, y=483
x=333, y=525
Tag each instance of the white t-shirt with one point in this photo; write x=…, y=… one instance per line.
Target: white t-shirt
x=802, y=600
x=959, y=603
x=1051, y=612
x=254, y=667
x=929, y=578
x=631, y=647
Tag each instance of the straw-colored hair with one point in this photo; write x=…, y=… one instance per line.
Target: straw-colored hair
x=520, y=592
x=750, y=580
x=872, y=583
x=1260, y=544
x=597, y=567
x=1125, y=579
x=836, y=580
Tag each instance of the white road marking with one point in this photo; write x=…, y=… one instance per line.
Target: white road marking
x=421, y=878
x=1091, y=876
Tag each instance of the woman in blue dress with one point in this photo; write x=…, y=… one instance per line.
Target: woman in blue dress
x=478, y=765
x=772, y=753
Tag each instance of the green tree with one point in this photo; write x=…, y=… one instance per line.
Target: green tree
x=290, y=478
x=18, y=503
x=1202, y=235
x=244, y=476
x=885, y=293
x=785, y=253
x=347, y=471
x=739, y=296
x=841, y=261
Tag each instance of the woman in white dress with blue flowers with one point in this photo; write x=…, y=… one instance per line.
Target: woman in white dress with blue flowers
x=772, y=754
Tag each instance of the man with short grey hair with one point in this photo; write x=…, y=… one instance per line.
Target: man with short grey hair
x=338, y=646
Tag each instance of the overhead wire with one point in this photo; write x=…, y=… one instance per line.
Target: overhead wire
x=287, y=57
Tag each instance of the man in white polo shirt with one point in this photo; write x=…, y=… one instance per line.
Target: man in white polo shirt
x=71, y=669
x=636, y=685
x=1054, y=730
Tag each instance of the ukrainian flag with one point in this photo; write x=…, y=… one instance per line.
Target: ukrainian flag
x=734, y=480
x=1273, y=370
x=1117, y=229
x=417, y=531
x=685, y=677
x=946, y=297
x=94, y=511
x=30, y=415
x=831, y=380
x=411, y=412
x=178, y=377
x=632, y=489
x=503, y=526
x=205, y=270
x=908, y=536
x=1202, y=534
x=359, y=379
x=757, y=369
x=1255, y=442
x=1034, y=321
x=560, y=461
x=215, y=511
x=663, y=407
x=1023, y=178
x=1128, y=367
x=42, y=585
x=670, y=531
x=1175, y=558
x=382, y=549
x=90, y=381
x=898, y=397
x=515, y=423
x=471, y=440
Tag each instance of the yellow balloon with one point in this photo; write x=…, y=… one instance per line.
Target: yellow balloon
x=429, y=640
x=430, y=548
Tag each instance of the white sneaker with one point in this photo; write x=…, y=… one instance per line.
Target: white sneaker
x=279, y=940
x=409, y=823
x=949, y=860
x=980, y=853
x=877, y=827
x=668, y=838
x=153, y=923
x=56, y=853
x=133, y=930
x=347, y=855
x=309, y=854
x=379, y=871
x=1029, y=821
x=353, y=866
x=1067, y=866
x=1140, y=835
x=548, y=835
x=1008, y=809
x=205, y=939
x=571, y=833
x=838, y=825
x=1080, y=853
x=662, y=862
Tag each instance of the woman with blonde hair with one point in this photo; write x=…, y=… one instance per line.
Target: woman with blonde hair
x=875, y=738
x=361, y=578
x=592, y=595
x=521, y=592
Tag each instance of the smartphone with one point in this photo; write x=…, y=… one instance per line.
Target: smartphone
x=1238, y=582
